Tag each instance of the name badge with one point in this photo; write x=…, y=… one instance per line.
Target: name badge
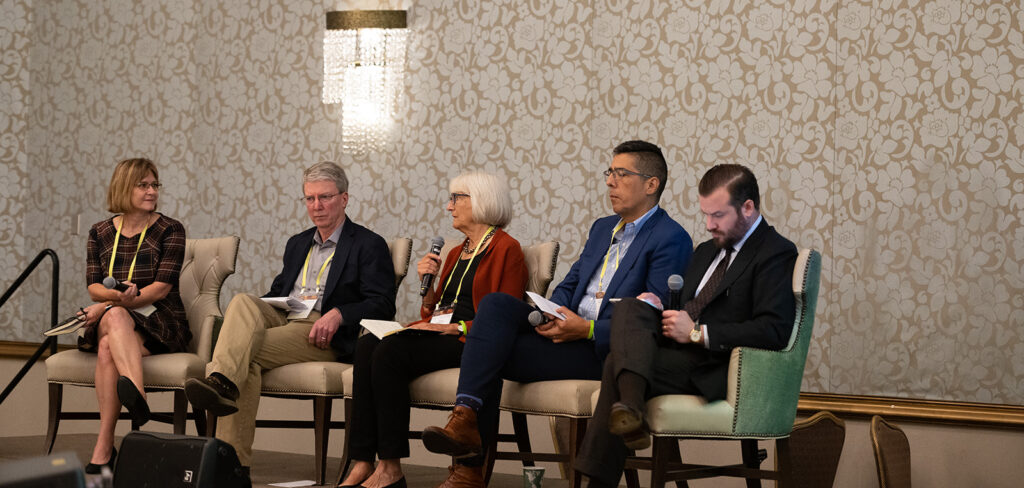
x=442, y=315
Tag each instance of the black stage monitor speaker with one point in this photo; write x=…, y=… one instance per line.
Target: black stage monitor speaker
x=151, y=459
x=61, y=470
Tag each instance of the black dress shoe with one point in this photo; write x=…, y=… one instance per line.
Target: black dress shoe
x=133, y=401
x=98, y=468
x=215, y=394
x=628, y=422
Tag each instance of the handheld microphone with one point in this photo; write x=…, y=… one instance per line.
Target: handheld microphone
x=111, y=284
x=435, y=248
x=675, y=292
x=536, y=318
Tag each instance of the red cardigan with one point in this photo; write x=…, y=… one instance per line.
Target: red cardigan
x=502, y=269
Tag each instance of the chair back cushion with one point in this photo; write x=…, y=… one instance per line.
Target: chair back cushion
x=401, y=253
x=541, y=260
x=892, y=454
x=208, y=262
x=764, y=386
x=815, y=446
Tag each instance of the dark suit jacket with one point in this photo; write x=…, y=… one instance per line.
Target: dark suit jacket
x=360, y=283
x=753, y=306
x=661, y=248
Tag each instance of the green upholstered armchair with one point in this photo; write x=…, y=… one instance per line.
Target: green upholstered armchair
x=764, y=387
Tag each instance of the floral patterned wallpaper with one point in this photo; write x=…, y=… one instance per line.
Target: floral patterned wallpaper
x=886, y=134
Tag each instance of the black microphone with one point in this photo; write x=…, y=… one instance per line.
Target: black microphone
x=536, y=318
x=111, y=284
x=435, y=248
x=675, y=292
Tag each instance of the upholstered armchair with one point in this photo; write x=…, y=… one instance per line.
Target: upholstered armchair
x=763, y=389
x=208, y=262
x=892, y=454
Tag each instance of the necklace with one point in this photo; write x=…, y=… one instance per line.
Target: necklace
x=487, y=237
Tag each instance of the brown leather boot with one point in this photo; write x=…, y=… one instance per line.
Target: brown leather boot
x=460, y=476
x=459, y=439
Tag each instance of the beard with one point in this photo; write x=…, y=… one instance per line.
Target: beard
x=730, y=237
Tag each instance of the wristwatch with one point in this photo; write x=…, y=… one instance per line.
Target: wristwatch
x=697, y=334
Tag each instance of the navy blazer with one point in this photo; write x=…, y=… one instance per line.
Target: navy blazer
x=360, y=283
x=753, y=306
x=662, y=248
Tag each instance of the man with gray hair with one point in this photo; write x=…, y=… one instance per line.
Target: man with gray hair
x=339, y=267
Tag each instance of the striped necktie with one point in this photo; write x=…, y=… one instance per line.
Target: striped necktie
x=696, y=306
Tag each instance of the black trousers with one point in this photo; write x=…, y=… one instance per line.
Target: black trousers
x=381, y=375
x=636, y=345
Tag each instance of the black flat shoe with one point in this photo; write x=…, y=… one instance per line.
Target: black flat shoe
x=133, y=401
x=98, y=468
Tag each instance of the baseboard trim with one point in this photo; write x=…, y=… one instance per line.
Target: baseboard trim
x=24, y=350
x=915, y=410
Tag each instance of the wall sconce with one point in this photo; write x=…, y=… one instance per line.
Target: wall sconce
x=364, y=63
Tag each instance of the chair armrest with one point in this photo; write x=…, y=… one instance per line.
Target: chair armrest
x=204, y=343
x=765, y=387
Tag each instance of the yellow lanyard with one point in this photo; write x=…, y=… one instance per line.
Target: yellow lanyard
x=604, y=266
x=113, y=254
x=305, y=268
x=468, y=265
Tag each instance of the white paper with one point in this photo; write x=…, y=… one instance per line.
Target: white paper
x=381, y=328
x=290, y=484
x=146, y=310
x=444, y=318
x=284, y=303
x=302, y=309
x=545, y=305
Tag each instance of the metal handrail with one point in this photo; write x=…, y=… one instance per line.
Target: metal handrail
x=50, y=342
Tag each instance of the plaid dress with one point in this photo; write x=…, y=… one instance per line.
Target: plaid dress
x=160, y=259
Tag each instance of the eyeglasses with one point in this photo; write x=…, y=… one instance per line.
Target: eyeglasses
x=620, y=173
x=146, y=185
x=454, y=197
x=324, y=199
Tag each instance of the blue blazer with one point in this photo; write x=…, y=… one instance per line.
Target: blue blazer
x=661, y=249
x=360, y=283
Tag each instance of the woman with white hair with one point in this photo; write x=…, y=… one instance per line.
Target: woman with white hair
x=489, y=260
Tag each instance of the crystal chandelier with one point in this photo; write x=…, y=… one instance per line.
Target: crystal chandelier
x=364, y=63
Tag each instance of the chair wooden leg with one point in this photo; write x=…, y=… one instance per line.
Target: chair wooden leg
x=675, y=456
x=199, y=417
x=180, y=411
x=577, y=428
x=345, y=460
x=632, y=478
x=660, y=455
x=784, y=463
x=490, y=453
x=211, y=425
x=56, y=397
x=749, y=447
x=522, y=433
x=321, y=431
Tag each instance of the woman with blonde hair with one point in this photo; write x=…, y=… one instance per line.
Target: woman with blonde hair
x=143, y=250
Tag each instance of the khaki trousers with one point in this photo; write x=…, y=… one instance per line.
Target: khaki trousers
x=256, y=337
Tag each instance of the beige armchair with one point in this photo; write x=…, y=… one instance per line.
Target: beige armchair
x=436, y=390
x=208, y=262
x=320, y=381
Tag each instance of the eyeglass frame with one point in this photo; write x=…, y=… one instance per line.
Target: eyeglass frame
x=453, y=197
x=625, y=172
x=143, y=185
x=325, y=198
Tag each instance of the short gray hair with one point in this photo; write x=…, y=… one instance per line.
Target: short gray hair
x=489, y=195
x=326, y=171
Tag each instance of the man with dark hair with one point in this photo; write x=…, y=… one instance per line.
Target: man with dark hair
x=738, y=292
x=650, y=162
x=634, y=250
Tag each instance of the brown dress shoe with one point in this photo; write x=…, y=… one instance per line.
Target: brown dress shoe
x=459, y=439
x=460, y=476
x=629, y=423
